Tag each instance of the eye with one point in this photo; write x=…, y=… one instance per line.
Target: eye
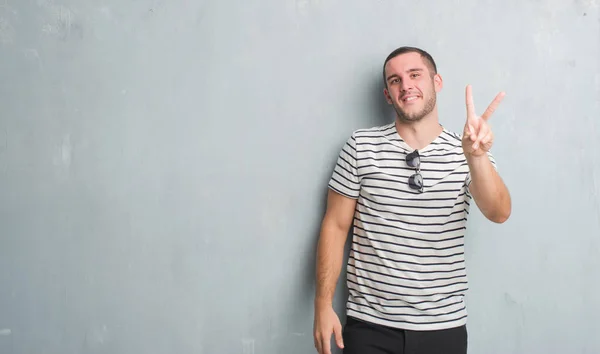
x=414, y=75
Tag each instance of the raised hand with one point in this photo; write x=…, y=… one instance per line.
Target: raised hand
x=477, y=136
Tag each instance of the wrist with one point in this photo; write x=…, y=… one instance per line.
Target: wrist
x=477, y=159
x=323, y=302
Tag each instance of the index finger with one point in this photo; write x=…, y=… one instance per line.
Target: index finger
x=325, y=345
x=470, y=105
x=492, y=107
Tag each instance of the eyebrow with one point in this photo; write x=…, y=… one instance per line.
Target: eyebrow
x=409, y=71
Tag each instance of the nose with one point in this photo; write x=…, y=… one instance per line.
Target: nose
x=406, y=85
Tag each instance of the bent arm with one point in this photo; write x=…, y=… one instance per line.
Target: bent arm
x=488, y=190
x=330, y=251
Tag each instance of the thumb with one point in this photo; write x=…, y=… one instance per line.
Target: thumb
x=338, y=335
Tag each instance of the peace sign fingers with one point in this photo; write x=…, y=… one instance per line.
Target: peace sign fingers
x=478, y=136
x=471, y=115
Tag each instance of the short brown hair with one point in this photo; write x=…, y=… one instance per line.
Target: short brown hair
x=403, y=50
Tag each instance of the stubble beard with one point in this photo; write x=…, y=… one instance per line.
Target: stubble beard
x=405, y=117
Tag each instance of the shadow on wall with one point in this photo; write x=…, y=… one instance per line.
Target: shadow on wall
x=383, y=112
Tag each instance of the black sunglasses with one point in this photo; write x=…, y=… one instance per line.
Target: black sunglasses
x=416, y=180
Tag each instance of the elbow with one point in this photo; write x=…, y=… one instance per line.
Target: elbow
x=499, y=219
x=495, y=205
x=500, y=216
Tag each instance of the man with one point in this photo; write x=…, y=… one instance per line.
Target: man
x=406, y=189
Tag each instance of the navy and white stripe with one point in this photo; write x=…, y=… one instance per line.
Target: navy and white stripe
x=406, y=267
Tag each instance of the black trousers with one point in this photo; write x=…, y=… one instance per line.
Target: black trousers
x=366, y=338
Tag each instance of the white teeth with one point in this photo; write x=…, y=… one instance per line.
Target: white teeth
x=411, y=98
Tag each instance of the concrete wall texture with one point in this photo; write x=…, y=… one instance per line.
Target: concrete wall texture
x=163, y=166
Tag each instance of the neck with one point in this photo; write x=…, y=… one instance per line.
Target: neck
x=419, y=134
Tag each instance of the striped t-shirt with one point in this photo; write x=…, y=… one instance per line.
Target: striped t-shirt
x=406, y=267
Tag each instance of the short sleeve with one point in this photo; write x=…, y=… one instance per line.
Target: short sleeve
x=344, y=179
x=492, y=160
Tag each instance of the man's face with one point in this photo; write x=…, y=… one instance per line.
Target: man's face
x=411, y=89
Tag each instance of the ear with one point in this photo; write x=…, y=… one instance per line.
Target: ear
x=438, y=82
x=388, y=98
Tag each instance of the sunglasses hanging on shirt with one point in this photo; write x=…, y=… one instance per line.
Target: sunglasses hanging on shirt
x=416, y=180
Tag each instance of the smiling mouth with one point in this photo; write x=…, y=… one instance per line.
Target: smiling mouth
x=409, y=98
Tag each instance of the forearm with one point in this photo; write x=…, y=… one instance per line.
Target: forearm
x=330, y=254
x=488, y=190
